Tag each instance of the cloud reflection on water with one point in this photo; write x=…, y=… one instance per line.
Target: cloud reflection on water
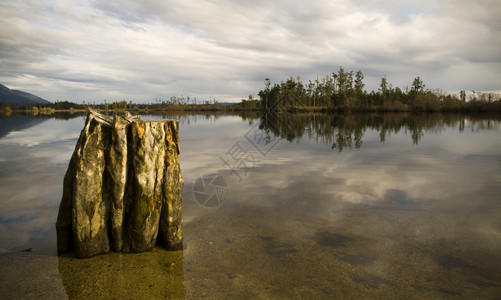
x=368, y=217
x=394, y=218
x=33, y=162
x=438, y=175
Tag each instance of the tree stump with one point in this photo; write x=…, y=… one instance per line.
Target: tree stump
x=122, y=190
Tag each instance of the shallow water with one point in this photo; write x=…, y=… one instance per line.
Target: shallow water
x=366, y=206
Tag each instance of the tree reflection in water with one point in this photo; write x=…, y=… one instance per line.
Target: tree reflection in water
x=343, y=131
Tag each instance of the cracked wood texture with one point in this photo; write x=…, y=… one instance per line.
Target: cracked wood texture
x=122, y=190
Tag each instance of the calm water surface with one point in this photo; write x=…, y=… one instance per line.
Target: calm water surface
x=364, y=206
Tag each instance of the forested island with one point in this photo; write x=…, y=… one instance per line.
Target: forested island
x=342, y=91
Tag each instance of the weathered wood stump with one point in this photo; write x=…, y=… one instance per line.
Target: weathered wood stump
x=122, y=190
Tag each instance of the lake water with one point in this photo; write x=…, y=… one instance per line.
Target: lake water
x=307, y=207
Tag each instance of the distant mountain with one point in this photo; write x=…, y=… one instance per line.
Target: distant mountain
x=18, y=97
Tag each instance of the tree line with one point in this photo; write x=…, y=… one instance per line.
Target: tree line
x=344, y=91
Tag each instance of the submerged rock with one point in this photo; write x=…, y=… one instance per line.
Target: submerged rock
x=122, y=190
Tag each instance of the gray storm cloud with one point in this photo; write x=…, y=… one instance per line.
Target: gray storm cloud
x=140, y=50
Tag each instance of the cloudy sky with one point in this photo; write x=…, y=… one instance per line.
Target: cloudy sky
x=143, y=49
